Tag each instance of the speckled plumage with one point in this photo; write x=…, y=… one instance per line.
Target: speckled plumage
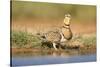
x=64, y=33
x=53, y=36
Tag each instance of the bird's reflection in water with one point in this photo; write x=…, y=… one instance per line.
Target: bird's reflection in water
x=60, y=54
x=55, y=53
x=51, y=52
x=64, y=53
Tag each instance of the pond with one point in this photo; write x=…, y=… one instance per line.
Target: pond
x=51, y=57
x=25, y=61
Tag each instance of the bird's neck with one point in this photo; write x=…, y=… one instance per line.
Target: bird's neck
x=67, y=26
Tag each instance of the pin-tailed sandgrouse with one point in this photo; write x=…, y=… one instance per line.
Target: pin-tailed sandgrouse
x=56, y=37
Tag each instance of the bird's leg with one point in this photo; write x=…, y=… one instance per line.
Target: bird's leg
x=54, y=45
x=62, y=37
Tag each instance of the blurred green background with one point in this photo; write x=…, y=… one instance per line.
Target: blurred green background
x=40, y=10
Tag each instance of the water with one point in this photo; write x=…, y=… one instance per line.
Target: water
x=41, y=60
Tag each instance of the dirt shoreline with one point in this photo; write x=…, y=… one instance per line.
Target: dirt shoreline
x=41, y=51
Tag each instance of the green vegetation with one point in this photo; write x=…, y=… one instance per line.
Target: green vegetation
x=22, y=39
x=89, y=40
x=42, y=10
x=84, y=40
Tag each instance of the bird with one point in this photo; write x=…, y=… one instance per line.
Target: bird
x=61, y=35
x=66, y=30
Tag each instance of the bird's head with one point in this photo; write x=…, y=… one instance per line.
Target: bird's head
x=67, y=19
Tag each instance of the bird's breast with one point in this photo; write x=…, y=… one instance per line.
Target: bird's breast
x=67, y=33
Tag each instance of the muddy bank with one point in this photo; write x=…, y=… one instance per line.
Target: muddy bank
x=43, y=52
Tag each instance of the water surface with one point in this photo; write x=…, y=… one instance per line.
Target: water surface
x=41, y=60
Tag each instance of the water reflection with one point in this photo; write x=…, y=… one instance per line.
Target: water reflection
x=40, y=57
x=62, y=53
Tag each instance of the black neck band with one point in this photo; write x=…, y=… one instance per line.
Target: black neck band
x=66, y=27
x=67, y=24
